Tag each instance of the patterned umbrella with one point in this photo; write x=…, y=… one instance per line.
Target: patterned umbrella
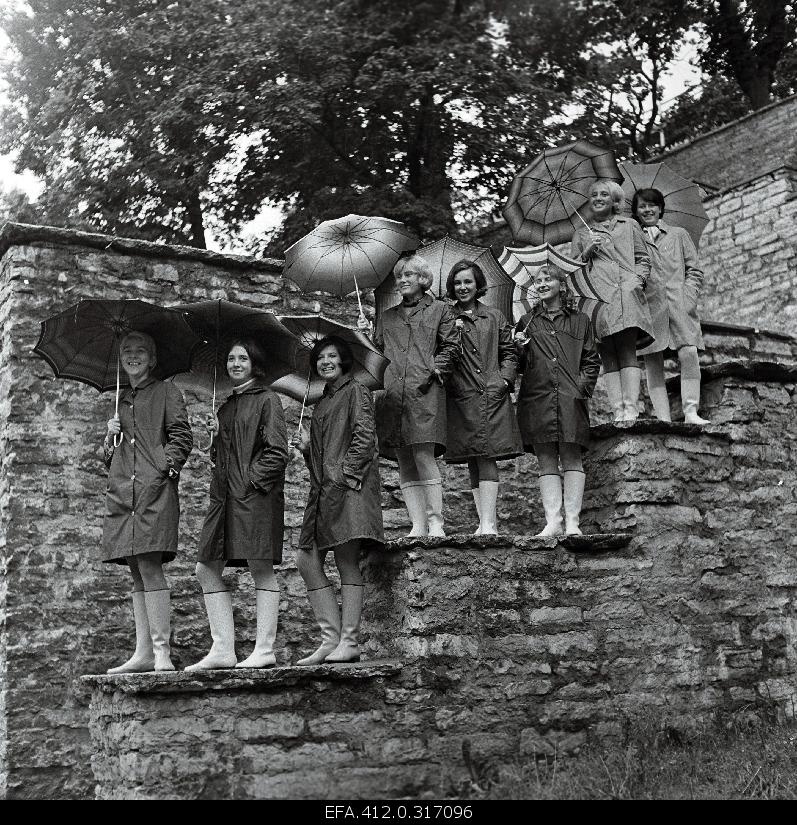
x=441, y=256
x=683, y=199
x=347, y=254
x=547, y=198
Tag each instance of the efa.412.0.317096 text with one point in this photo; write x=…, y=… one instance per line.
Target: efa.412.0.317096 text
x=391, y=811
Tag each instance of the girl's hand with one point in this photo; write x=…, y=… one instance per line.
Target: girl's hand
x=304, y=439
x=363, y=324
x=114, y=425
x=212, y=425
x=596, y=242
x=521, y=339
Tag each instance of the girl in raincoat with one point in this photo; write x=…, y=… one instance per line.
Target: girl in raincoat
x=244, y=522
x=617, y=265
x=560, y=366
x=421, y=341
x=142, y=509
x=344, y=508
x=676, y=279
x=482, y=427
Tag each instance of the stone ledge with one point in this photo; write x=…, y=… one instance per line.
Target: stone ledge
x=653, y=426
x=250, y=680
x=593, y=543
x=781, y=372
x=22, y=234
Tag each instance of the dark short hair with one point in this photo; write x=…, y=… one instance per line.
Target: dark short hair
x=256, y=355
x=461, y=266
x=344, y=351
x=651, y=196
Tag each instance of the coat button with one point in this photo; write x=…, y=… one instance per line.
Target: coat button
x=554, y=358
x=132, y=440
x=133, y=477
x=477, y=369
x=132, y=512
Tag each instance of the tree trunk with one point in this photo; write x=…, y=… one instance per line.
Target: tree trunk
x=196, y=219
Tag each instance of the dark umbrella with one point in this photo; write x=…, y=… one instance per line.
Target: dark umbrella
x=547, y=198
x=441, y=256
x=82, y=342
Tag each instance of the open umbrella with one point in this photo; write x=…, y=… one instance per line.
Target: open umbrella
x=368, y=368
x=547, y=198
x=684, y=200
x=347, y=254
x=82, y=342
x=218, y=323
x=441, y=256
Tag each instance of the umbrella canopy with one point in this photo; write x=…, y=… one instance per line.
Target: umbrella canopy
x=347, y=254
x=82, y=342
x=521, y=263
x=683, y=198
x=549, y=198
x=441, y=256
x=302, y=385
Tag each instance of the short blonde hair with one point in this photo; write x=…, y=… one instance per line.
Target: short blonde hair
x=146, y=339
x=418, y=265
x=615, y=190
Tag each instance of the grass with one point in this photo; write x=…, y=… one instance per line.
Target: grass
x=738, y=757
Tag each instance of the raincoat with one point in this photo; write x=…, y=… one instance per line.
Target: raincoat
x=617, y=274
x=141, y=504
x=345, y=490
x=245, y=518
x=676, y=279
x=560, y=366
x=412, y=408
x=481, y=421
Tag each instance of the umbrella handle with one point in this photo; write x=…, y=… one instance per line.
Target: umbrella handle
x=116, y=409
x=212, y=407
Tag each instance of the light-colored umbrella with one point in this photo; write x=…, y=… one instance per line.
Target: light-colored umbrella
x=347, y=254
x=549, y=198
x=683, y=199
x=441, y=256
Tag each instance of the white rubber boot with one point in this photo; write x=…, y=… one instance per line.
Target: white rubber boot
x=573, y=498
x=614, y=390
x=690, y=400
x=327, y=614
x=434, y=501
x=551, y=493
x=143, y=658
x=351, y=608
x=158, y=615
x=268, y=603
x=488, y=494
x=475, y=493
x=415, y=502
x=630, y=379
x=222, y=630
x=657, y=389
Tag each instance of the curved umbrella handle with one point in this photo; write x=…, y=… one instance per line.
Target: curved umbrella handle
x=212, y=402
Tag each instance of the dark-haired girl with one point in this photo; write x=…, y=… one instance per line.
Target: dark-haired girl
x=676, y=279
x=482, y=426
x=244, y=522
x=344, y=509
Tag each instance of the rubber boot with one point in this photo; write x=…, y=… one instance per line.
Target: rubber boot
x=351, y=608
x=222, y=630
x=268, y=603
x=657, y=389
x=415, y=502
x=475, y=493
x=158, y=606
x=551, y=493
x=690, y=400
x=488, y=494
x=614, y=390
x=143, y=658
x=630, y=379
x=434, y=506
x=327, y=614
x=573, y=498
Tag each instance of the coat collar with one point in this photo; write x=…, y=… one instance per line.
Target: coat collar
x=426, y=300
x=338, y=384
x=250, y=390
x=479, y=310
x=148, y=381
x=539, y=309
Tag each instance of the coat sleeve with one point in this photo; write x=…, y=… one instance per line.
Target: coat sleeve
x=590, y=364
x=576, y=247
x=641, y=254
x=379, y=335
x=269, y=463
x=447, y=351
x=362, y=448
x=693, y=273
x=507, y=354
x=179, y=438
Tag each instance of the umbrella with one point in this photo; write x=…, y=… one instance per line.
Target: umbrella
x=522, y=262
x=684, y=200
x=82, y=342
x=547, y=198
x=347, y=254
x=219, y=323
x=302, y=385
x=441, y=256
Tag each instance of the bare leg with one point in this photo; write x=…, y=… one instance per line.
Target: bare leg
x=630, y=374
x=429, y=473
x=347, y=557
x=657, y=389
x=219, y=608
x=550, y=488
x=143, y=658
x=267, y=597
x=157, y=601
x=321, y=596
